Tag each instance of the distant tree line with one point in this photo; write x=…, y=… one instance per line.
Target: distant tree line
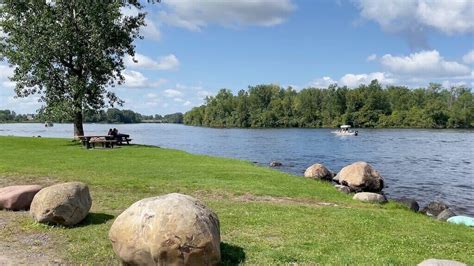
x=11, y=116
x=112, y=115
x=365, y=106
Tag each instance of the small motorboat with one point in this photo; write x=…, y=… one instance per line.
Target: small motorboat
x=48, y=124
x=346, y=131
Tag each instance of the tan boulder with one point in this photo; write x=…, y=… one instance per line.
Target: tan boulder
x=370, y=197
x=17, y=198
x=65, y=204
x=318, y=171
x=172, y=229
x=360, y=176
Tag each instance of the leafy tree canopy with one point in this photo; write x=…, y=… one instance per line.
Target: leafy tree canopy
x=68, y=51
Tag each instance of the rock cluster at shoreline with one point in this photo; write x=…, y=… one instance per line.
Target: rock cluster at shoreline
x=366, y=183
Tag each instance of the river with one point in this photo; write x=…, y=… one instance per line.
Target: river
x=422, y=164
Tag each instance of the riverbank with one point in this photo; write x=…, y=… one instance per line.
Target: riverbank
x=266, y=216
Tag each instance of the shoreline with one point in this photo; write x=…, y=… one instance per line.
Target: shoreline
x=266, y=214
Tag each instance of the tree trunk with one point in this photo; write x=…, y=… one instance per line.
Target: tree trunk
x=78, y=127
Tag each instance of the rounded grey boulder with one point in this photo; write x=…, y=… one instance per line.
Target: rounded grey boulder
x=360, y=176
x=436, y=262
x=445, y=215
x=409, y=203
x=370, y=197
x=318, y=171
x=64, y=204
x=275, y=164
x=173, y=229
x=343, y=189
x=434, y=208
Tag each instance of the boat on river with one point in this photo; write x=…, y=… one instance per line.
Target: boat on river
x=345, y=130
x=48, y=124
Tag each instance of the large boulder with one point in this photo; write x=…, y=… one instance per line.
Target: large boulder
x=318, y=171
x=437, y=262
x=17, y=198
x=409, y=203
x=65, y=204
x=445, y=215
x=360, y=176
x=434, y=208
x=173, y=229
x=370, y=197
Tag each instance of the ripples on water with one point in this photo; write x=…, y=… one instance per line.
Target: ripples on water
x=422, y=164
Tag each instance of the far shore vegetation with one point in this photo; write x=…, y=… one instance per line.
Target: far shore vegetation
x=367, y=106
x=111, y=116
x=267, y=217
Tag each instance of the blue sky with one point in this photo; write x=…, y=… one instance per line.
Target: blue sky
x=191, y=51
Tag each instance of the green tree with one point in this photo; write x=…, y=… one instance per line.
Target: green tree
x=68, y=51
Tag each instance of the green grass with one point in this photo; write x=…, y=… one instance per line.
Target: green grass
x=297, y=229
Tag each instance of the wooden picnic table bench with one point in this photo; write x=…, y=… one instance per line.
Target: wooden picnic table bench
x=105, y=140
x=106, y=143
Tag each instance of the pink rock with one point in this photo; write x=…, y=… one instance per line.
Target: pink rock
x=17, y=197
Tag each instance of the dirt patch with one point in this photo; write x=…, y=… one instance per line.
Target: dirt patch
x=18, y=247
x=213, y=196
x=284, y=200
x=27, y=180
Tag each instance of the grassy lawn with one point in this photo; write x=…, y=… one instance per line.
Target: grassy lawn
x=267, y=217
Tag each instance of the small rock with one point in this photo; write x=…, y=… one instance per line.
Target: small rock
x=370, y=197
x=437, y=262
x=460, y=219
x=360, y=176
x=445, y=215
x=343, y=189
x=17, y=198
x=318, y=171
x=173, y=229
x=275, y=164
x=434, y=208
x=409, y=203
x=65, y=204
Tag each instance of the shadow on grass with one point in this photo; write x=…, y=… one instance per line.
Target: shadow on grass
x=232, y=254
x=95, y=218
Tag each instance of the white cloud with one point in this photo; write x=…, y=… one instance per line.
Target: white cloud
x=168, y=62
x=151, y=95
x=469, y=57
x=448, y=16
x=135, y=79
x=354, y=80
x=5, y=73
x=187, y=103
x=323, y=82
x=423, y=64
x=371, y=57
x=202, y=94
x=187, y=14
x=413, y=18
x=150, y=30
x=173, y=93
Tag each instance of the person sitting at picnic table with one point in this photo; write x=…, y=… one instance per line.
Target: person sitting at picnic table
x=110, y=133
x=118, y=136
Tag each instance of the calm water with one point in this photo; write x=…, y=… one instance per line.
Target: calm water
x=422, y=164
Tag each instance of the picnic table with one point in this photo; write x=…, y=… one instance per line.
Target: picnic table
x=107, y=141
